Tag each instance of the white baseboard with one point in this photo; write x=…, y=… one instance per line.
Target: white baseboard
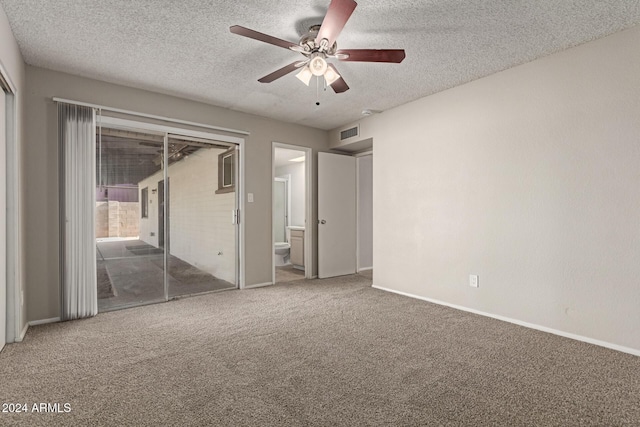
x=43, y=321
x=365, y=269
x=629, y=350
x=23, y=333
x=258, y=285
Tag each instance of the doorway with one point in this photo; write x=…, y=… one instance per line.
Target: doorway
x=291, y=211
x=163, y=224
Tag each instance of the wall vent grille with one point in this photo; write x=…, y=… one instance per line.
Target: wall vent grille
x=348, y=133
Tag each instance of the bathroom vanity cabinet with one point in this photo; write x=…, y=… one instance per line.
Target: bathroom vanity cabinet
x=297, y=248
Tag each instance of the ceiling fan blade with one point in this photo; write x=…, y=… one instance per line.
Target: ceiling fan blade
x=246, y=32
x=339, y=85
x=372, y=55
x=279, y=73
x=337, y=16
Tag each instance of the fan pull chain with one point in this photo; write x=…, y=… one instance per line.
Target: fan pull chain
x=318, y=90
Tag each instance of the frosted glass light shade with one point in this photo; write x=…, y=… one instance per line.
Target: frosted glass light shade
x=331, y=75
x=305, y=75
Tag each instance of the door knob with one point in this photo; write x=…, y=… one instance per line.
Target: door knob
x=322, y=221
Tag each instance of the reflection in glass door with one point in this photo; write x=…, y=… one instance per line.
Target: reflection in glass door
x=165, y=210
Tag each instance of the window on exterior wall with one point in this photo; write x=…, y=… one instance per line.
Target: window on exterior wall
x=144, y=200
x=226, y=171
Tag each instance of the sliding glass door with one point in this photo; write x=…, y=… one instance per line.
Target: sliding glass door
x=165, y=206
x=130, y=253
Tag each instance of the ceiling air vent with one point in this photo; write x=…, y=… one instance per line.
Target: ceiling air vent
x=349, y=133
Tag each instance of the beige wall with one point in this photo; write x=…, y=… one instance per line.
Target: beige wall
x=528, y=178
x=42, y=175
x=365, y=211
x=13, y=65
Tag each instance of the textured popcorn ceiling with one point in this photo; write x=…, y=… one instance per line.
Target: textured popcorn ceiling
x=185, y=48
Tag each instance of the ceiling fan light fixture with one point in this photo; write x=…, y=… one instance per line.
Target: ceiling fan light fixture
x=331, y=75
x=318, y=44
x=305, y=75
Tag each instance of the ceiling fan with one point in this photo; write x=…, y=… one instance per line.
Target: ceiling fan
x=318, y=44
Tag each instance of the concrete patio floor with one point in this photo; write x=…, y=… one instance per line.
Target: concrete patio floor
x=131, y=272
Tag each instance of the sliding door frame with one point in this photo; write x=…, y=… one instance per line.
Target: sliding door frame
x=234, y=141
x=15, y=293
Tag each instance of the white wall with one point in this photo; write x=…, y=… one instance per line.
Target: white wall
x=200, y=220
x=296, y=170
x=13, y=65
x=528, y=178
x=365, y=212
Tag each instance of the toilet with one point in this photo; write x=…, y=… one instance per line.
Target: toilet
x=281, y=250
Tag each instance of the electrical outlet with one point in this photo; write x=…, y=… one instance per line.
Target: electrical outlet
x=473, y=281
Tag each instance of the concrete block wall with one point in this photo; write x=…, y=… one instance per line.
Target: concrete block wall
x=117, y=219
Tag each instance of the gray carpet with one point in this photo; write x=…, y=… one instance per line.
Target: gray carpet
x=322, y=352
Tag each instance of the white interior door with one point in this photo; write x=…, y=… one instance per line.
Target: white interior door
x=336, y=215
x=3, y=220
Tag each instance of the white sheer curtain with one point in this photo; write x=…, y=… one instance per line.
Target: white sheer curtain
x=77, y=141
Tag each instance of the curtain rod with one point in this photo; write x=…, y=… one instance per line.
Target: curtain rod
x=149, y=116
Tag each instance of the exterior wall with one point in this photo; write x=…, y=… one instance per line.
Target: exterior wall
x=201, y=230
x=527, y=178
x=128, y=214
x=102, y=219
x=117, y=219
x=200, y=220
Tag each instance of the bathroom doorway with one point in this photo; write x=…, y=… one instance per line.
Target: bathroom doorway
x=291, y=233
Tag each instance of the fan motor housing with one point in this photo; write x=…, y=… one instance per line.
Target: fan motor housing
x=308, y=42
